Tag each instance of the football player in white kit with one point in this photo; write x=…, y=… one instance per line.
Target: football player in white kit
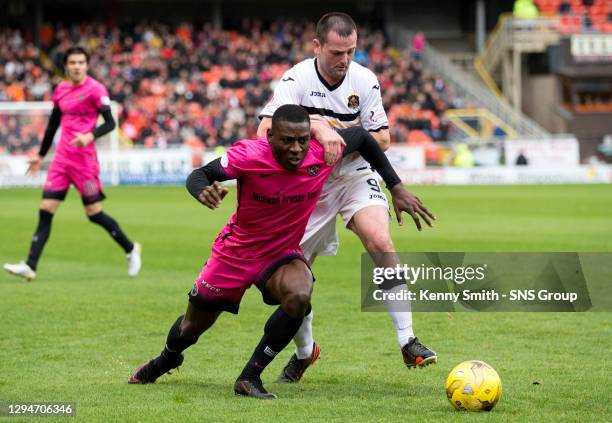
x=343, y=93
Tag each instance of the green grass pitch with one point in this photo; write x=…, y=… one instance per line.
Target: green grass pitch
x=78, y=331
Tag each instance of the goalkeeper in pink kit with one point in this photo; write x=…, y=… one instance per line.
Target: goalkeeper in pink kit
x=279, y=181
x=77, y=103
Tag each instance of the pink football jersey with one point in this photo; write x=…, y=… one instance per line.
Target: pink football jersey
x=80, y=105
x=274, y=203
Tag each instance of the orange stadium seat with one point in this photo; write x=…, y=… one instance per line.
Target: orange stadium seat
x=598, y=13
x=154, y=102
x=570, y=23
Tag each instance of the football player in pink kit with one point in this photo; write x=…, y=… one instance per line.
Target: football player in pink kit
x=76, y=106
x=279, y=182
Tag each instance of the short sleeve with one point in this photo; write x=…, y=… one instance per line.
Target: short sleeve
x=287, y=91
x=373, y=115
x=100, y=97
x=55, y=96
x=235, y=161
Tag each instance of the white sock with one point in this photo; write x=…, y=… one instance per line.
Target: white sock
x=303, y=338
x=401, y=314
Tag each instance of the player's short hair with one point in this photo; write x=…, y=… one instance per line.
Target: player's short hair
x=76, y=50
x=341, y=23
x=290, y=113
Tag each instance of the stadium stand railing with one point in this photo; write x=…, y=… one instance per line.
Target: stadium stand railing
x=500, y=59
x=473, y=90
x=501, y=53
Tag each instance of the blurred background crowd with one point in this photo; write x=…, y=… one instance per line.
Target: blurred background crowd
x=203, y=86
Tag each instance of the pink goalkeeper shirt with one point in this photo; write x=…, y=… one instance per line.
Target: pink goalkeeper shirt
x=80, y=106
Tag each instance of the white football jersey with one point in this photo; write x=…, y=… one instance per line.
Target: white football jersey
x=355, y=100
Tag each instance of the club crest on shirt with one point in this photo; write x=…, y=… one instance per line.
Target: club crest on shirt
x=314, y=170
x=353, y=101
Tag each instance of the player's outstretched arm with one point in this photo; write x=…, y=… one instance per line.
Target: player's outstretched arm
x=203, y=184
x=405, y=201
x=358, y=139
x=35, y=163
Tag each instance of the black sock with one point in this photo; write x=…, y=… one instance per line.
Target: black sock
x=40, y=237
x=175, y=343
x=112, y=227
x=278, y=332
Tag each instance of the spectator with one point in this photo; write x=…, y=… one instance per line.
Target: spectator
x=418, y=44
x=204, y=86
x=565, y=7
x=521, y=159
x=463, y=156
x=525, y=9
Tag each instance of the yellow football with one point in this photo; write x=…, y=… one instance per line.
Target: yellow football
x=473, y=386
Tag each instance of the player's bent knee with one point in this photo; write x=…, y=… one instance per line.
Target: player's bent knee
x=297, y=303
x=379, y=243
x=291, y=286
x=50, y=206
x=93, y=209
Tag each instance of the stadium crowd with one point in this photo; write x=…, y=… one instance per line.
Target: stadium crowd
x=22, y=77
x=203, y=86
x=574, y=15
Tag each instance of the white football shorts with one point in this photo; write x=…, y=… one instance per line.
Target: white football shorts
x=345, y=196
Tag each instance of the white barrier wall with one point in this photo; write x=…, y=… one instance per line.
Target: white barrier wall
x=552, y=153
x=509, y=175
x=171, y=166
x=145, y=167
x=406, y=157
x=12, y=173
